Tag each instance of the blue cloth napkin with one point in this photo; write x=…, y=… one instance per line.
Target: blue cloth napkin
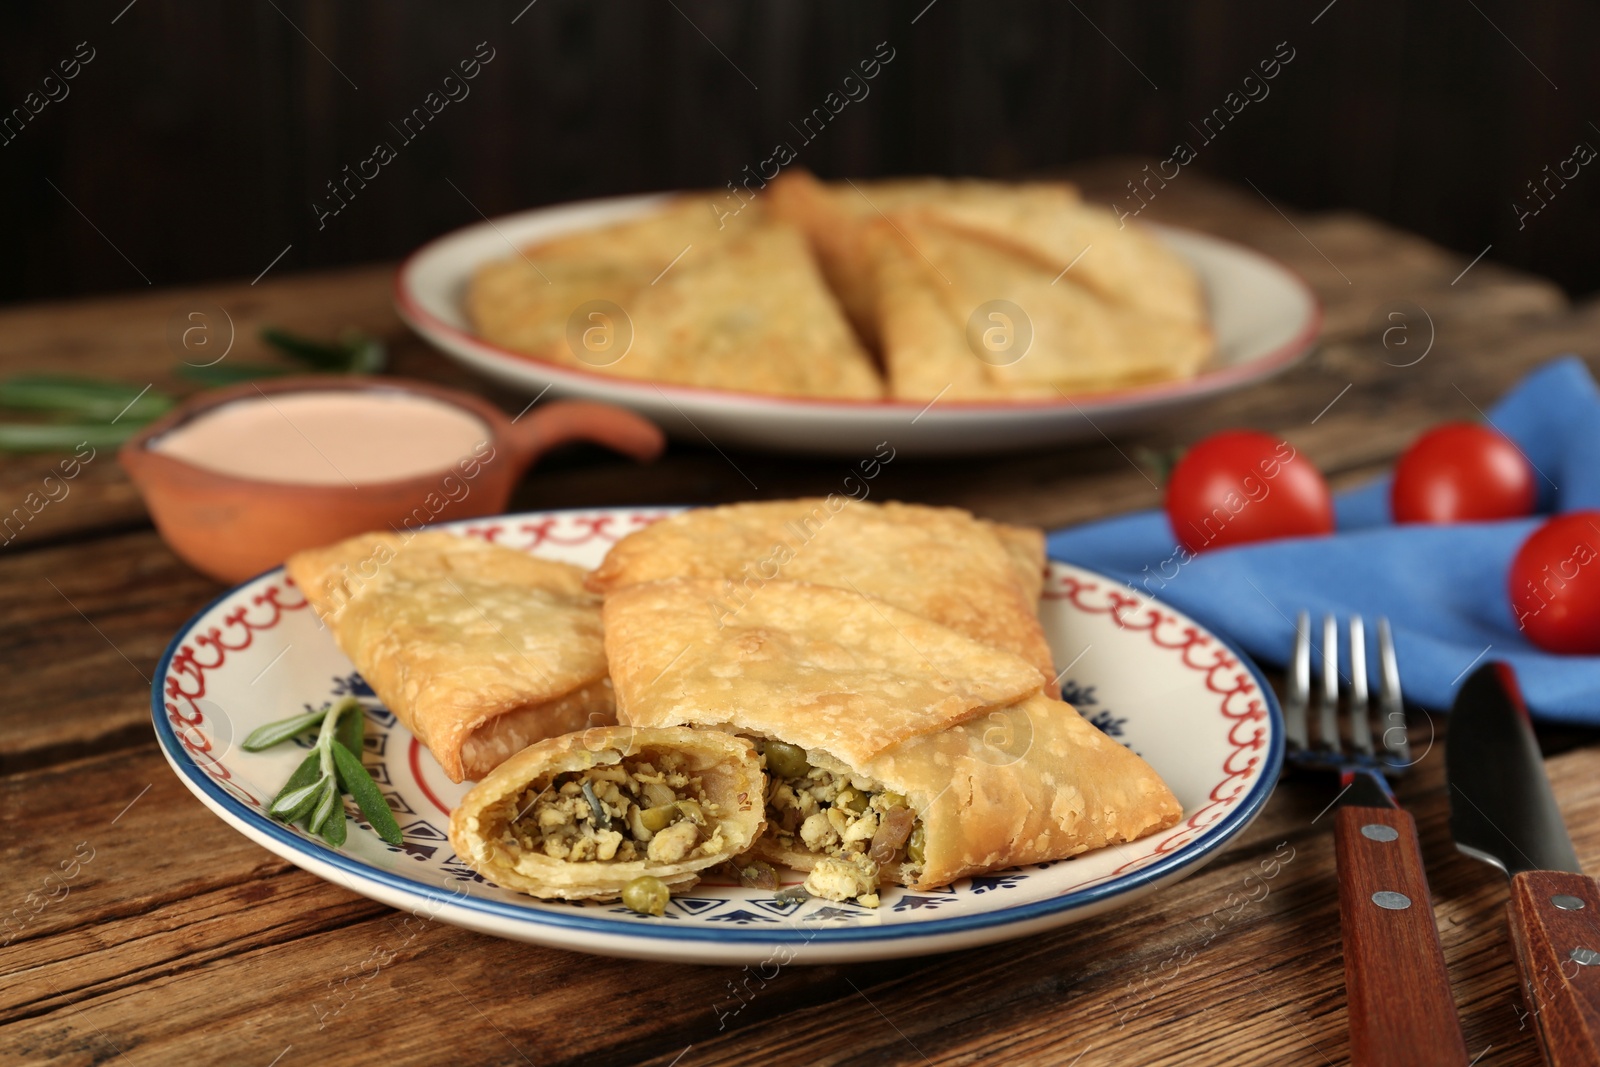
x=1443, y=588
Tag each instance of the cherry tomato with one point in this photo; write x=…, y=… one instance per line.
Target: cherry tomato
x=1555, y=584
x=1239, y=486
x=1462, y=472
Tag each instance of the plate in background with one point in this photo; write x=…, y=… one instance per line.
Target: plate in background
x=1264, y=315
x=1155, y=680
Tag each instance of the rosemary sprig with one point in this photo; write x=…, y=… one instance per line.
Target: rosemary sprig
x=81, y=410
x=62, y=437
x=84, y=398
x=352, y=731
x=311, y=795
x=65, y=412
x=352, y=353
x=217, y=375
x=282, y=730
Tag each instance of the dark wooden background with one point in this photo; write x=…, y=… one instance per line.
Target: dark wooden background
x=194, y=143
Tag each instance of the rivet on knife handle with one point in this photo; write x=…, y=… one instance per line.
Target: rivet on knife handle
x=1555, y=930
x=1401, y=1010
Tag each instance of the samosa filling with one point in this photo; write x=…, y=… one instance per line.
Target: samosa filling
x=853, y=825
x=639, y=809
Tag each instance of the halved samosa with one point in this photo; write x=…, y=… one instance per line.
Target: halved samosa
x=480, y=650
x=979, y=578
x=1028, y=783
x=581, y=816
x=1022, y=782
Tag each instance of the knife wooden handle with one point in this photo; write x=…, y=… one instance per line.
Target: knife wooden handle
x=1552, y=936
x=1398, y=990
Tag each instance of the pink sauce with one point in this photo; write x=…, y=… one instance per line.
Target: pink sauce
x=328, y=438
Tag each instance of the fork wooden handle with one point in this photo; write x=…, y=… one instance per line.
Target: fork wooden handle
x=1555, y=928
x=1398, y=990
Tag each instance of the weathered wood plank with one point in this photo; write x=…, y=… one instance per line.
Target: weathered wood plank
x=81, y=628
x=179, y=936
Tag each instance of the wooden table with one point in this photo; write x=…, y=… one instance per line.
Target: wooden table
x=183, y=942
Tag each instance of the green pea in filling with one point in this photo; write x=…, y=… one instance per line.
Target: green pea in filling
x=856, y=826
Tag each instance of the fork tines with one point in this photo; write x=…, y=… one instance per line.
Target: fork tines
x=1321, y=699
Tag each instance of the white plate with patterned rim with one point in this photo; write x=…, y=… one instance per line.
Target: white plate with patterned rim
x=1264, y=316
x=1178, y=694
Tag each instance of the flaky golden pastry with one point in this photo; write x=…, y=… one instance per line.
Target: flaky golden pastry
x=751, y=314
x=825, y=289
x=1081, y=341
x=565, y=818
x=1025, y=546
x=1024, y=784
x=648, y=241
x=925, y=351
x=1046, y=223
x=867, y=715
x=980, y=579
x=815, y=665
x=836, y=218
x=1051, y=225
x=945, y=331
x=738, y=305
x=479, y=650
x=526, y=306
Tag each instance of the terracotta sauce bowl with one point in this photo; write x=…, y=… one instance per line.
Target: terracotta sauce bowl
x=232, y=528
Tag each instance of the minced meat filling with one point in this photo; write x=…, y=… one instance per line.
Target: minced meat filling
x=640, y=809
x=855, y=827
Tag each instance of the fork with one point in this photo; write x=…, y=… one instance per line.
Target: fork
x=1396, y=984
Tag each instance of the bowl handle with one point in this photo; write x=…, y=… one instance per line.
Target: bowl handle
x=560, y=421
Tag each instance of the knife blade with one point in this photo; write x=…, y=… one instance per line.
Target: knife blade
x=1501, y=808
x=1503, y=812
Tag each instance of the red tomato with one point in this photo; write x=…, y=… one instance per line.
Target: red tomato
x=1239, y=486
x=1555, y=584
x=1462, y=472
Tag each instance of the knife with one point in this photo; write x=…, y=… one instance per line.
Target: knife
x=1503, y=813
